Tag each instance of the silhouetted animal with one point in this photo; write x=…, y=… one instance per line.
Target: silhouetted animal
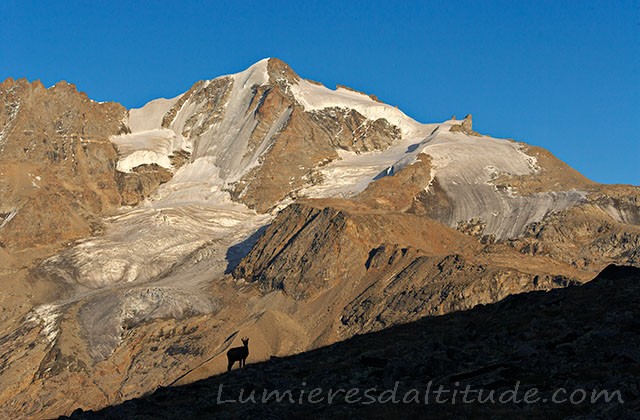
x=238, y=354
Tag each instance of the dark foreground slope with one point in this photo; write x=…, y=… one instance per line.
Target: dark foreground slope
x=563, y=345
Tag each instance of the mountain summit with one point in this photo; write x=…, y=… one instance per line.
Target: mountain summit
x=135, y=245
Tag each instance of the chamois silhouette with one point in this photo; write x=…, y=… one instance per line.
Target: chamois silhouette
x=238, y=354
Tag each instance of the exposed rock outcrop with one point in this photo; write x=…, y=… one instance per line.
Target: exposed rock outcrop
x=297, y=253
x=57, y=164
x=465, y=126
x=350, y=130
x=584, y=236
x=139, y=184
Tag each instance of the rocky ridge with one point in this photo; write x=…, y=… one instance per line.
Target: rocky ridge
x=57, y=163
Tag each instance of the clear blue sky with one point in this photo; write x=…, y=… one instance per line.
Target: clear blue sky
x=564, y=75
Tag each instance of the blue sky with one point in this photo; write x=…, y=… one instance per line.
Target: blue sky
x=564, y=75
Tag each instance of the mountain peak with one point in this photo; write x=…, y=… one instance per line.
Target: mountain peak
x=279, y=70
x=270, y=70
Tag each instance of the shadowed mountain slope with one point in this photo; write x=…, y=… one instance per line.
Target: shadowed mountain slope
x=572, y=339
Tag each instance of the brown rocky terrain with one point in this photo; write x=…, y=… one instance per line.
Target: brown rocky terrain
x=561, y=346
x=57, y=163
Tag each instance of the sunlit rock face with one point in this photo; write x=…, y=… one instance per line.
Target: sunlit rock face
x=57, y=164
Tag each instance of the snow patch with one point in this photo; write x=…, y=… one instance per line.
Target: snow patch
x=256, y=74
x=8, y=218
x=532, y=161
x=47, y=315
x=352, y=172
x=146, y=147
x=140, y=305
x=13, y=111
x=464, y=167
x=34, y=180
x=224, y=146
x=150, y=116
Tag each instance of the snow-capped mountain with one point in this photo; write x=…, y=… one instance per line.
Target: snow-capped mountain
x=243, y=129
x=267, y=203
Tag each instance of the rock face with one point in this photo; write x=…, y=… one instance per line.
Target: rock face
x=465, y=126
x=57, y=163
x=406, y=266
x=584, y=236
x=261, y=204
x=297, y=251
x=551, y=341
x=138, y=184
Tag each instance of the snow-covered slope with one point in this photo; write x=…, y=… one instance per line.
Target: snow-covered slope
x=466, y=168
x=315, y=97
x=145, y=147
x=150, y=116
